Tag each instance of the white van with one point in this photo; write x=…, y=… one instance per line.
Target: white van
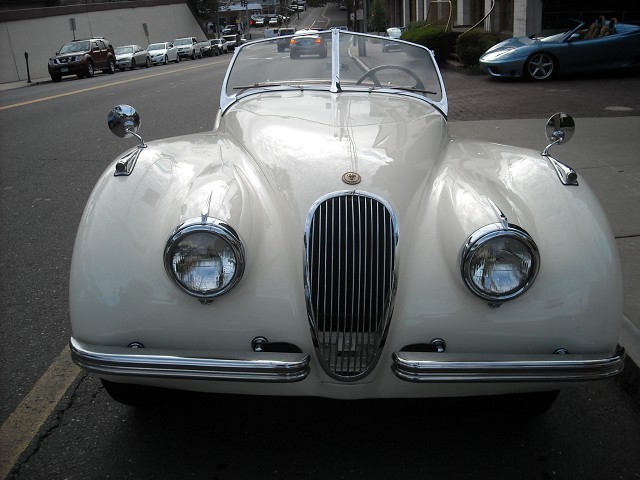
x=270, y=32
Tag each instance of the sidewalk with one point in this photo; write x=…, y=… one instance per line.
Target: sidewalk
x=23, y=83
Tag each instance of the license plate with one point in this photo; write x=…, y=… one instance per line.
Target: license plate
x=64, y=69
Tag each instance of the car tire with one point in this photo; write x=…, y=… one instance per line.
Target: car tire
x=540, y=66
x=193, y=55
x=90, y=71
x=166, y=60
x=147, y=63
x=111, y=69
x=177, y=58
x=56, y=78
x=280, y=49
x=133, y=64
x=134, y=395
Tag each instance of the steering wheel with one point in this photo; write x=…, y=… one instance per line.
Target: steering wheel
x=373, y=74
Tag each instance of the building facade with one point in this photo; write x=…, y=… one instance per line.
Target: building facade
x=511, y=17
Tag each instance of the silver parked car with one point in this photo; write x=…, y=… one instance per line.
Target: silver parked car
x=131, y=57
x=219, y=45
x=163, y=52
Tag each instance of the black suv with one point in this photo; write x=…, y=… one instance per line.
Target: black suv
x=82, y=58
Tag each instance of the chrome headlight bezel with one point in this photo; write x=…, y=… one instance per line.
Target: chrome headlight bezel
x=210, y=226
x=489, y=234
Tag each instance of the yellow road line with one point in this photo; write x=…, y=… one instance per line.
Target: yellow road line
x=107, y=85
x=28, y=418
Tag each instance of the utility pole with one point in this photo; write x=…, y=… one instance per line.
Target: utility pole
x=245, y=4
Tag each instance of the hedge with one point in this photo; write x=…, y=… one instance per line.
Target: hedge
x=435, y=38
x=471, y=45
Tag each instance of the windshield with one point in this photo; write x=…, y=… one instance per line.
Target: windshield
x=559, y=33
x=75, y=47
x=358, y=61
x=156, y=46
x=123, y=50
x=183, y=41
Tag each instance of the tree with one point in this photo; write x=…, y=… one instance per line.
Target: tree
x=378, y=16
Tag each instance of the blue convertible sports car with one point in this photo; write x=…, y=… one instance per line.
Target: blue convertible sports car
x=604, y=45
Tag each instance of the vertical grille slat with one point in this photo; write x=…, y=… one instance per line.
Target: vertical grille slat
x=350, y=275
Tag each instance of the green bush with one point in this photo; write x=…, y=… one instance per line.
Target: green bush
x=471, y=45
x=435, y=38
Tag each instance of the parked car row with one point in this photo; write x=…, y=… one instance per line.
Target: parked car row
x=83, y=57
x=268, y=20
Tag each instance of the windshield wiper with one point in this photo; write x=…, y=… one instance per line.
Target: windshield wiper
x=408, y=89
x=257, y=85
x=299, y=84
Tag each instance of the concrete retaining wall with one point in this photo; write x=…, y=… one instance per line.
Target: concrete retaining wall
x=42, y=37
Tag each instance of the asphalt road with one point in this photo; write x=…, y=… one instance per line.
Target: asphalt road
x=55, y=143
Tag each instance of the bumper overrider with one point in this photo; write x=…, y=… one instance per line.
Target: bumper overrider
x=418, y=367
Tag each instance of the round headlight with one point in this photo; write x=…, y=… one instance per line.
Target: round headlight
x=499, y=263
x=204, y=259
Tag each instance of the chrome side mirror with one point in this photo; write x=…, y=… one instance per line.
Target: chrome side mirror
x=559, y=129
x=124, y=122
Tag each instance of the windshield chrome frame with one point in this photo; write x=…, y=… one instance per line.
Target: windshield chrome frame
x=226, y=101
x=568, y=35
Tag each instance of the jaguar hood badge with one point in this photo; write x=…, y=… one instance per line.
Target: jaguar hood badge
x=351, y=178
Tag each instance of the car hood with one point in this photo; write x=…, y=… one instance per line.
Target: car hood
x=273, y=156
x=305, y=142
x=70, y=55
x=513, y=43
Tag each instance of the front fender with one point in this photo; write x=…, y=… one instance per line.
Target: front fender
x=118, y=285
x=576, y=300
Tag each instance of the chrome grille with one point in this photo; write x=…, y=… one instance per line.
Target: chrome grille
x=350, y=280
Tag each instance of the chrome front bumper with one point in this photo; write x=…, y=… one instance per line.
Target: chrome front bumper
x=417, y=367
x=143, y=362
x=452, y=368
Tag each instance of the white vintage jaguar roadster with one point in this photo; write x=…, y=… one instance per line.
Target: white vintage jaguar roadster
x=329, y=238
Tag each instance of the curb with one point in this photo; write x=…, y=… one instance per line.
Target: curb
x=23, y=84
x=629, y=379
